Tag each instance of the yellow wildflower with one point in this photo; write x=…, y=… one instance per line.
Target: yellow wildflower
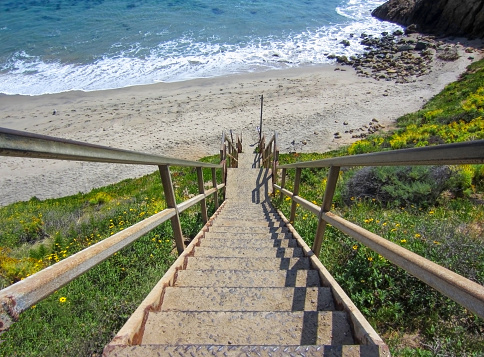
x=62, y=299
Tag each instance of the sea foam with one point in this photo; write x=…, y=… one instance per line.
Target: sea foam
x=186, y=57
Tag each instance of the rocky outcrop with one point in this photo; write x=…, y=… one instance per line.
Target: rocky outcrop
x=441, y=17
x=402, y=59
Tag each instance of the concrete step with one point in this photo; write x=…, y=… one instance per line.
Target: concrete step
x=246, y=223
x=268, y=252
x=249, y=211
x=248, y=328
x=248, y=242
x=238, y=235
x=247, y=351
x=228, y=229
x=247, y=299
x=248, y=278
x=243, y=212
x=203, y=263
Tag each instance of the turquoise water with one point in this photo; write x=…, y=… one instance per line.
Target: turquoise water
x=50, y=46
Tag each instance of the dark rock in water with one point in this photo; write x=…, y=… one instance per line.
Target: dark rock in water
x=346, y=43
x=440, y=17
x=398, y=33
x=342, y=59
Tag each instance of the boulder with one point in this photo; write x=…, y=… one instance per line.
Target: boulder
x=441, y=17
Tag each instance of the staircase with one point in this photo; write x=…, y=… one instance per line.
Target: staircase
x=247, y=288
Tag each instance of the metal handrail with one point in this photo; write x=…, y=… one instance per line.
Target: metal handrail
x=462, y=290
x=449, y=154
x=24, y=144
x=20, y=296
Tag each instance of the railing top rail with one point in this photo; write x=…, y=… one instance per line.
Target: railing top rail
x=23, y=144
x=471, y=152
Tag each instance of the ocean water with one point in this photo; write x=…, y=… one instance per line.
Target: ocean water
x=51, y=46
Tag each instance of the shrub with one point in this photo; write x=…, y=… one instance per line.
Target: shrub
x=398, y=186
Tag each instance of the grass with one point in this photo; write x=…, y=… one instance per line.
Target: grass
x=83, y=316
x=439, y=219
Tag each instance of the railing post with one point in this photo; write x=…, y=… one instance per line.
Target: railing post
x=223, y=160
x=260, y=125
x=201, y=189
x=261, y=151
x=239, y=143
x=214, y=185
x=297, y=181
x=325, y=207
x=283, y=184
x=171, y=203
x=275, y=163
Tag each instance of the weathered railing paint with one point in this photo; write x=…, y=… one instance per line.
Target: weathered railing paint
x=464, y=291
x=23, y=294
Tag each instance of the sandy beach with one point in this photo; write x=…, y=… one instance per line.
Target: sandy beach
x=307, y=106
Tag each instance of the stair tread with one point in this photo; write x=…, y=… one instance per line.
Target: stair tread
x=252, y=350
x=248, y=278
x=247, y=299
x=248, y=328
x=263, y=252
x=230, y=229
x=248, y=235
x=201, y=263
x=248, y=242
x=246, y=223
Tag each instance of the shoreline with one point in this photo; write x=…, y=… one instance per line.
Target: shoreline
x=307, y=106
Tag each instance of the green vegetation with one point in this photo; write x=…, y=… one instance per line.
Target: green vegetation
x=83, y=316
x=436, y=212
